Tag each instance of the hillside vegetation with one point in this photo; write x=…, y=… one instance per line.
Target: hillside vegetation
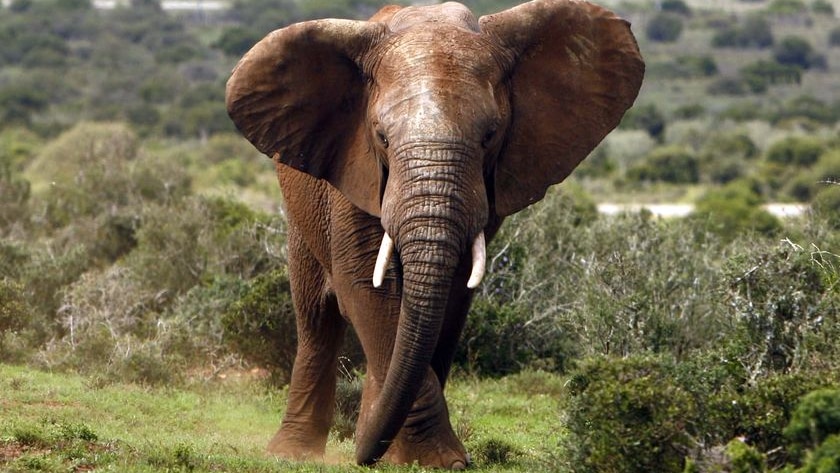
x=142, y=255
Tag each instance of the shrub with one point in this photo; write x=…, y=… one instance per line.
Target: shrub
x=645, y=117
x=754, y=33
x=723, y=157
x=781, y=298
x=787, y=7
x=260, y=325
x=665, y=27
x=834, y=37
x=815, y=419
x=628, y=415
x=672, y=164
x=762, y=74
x=15, y=318
x=727, y=86
x=827, y=205
x=797, y=51
x=796, y=151
x=810, y=108
x=733, y=210
x=825, y=458
x=744, y=458
x=822, y=7
x=675, y=6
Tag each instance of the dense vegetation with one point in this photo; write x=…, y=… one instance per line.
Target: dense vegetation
x=142, y=240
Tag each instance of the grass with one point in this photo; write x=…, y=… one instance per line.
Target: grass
x=61, y=422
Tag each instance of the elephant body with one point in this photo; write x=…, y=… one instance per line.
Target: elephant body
x=401, y=143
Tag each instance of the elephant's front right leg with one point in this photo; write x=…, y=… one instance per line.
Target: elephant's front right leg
x=320, y=329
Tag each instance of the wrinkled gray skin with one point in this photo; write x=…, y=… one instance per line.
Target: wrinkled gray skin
x=430, y=125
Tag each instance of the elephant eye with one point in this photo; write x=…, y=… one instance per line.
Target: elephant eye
x=382, y=139
x=488, y=137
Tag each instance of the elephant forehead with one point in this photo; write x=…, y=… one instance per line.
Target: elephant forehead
x=439, y=51
x=450, y=12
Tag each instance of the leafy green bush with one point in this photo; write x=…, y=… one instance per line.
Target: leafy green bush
x=260, y=325
x=15, y=317
x=725, y=157
x=665, y=27
x=827, y=205
x=735, y=209
x=797, y=51
x=834, y=37
x=744, y=458
x=815, y=419
x=810, y=108
x=761, y=74
x=825, y=458
x=755, y=32
x=645, y=117
x=787, y=7
x=822, y=7
x=784, y=299
x=796, y=151
x=672, y=164
x=628, y=415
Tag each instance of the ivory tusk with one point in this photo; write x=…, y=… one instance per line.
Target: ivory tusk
x=382, y=259
x=479, y=258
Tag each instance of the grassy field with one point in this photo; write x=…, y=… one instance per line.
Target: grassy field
x=59, y=422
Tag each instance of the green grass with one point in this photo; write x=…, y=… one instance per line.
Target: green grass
x=59, y=422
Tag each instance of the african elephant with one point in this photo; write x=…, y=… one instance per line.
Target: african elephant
x=400, y=144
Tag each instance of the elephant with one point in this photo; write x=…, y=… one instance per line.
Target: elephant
x=400, y=144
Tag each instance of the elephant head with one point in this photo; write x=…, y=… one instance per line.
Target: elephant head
x=438, y=123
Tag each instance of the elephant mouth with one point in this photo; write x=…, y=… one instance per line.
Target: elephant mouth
x=478, y=251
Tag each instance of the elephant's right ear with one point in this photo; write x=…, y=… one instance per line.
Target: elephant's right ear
x=299, y=95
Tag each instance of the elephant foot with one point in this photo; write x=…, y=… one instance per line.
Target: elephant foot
x=297, y=442
x=432, y=453
x=427, y=436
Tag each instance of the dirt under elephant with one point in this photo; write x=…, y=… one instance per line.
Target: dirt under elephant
x=401, y=143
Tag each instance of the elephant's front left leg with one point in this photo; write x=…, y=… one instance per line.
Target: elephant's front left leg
x=320, y=329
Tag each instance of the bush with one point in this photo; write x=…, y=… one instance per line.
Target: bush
x=809, y=108
x=260, y=325
x=816, y=418
x=825, y=458
x=761, y=74
x=822, y=7
x=782, y=300
x=672, y=164
x=665, y=27
x=834, y=37
x=724, y=157
x=628, y=415
x=675, y=6
x=787, y=7
x=827, y=205
x=797, y=51
x=754, y=33
x=733, y=210
x=795, y=151
x=645, y=117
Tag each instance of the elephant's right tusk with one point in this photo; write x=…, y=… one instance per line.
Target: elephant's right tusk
x=382, y=259
x=479, y=258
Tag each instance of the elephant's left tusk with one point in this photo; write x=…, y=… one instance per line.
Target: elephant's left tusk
x=382, y=259
x=479, y=257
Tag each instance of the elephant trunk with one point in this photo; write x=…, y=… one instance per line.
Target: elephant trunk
x=429, y=259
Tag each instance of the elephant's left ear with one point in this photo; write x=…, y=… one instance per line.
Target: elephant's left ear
x=576, y=70
x=299, y=96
